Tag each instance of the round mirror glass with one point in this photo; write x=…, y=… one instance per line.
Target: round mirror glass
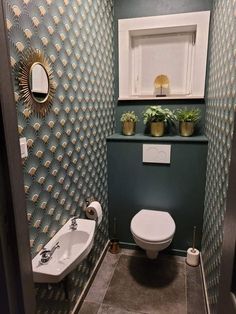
x=38, y=82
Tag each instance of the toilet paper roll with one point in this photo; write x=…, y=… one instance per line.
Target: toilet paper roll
x=94, y=212
x=192, y=257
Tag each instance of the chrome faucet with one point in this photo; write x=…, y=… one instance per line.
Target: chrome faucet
x=74, y=224
x=47, y=254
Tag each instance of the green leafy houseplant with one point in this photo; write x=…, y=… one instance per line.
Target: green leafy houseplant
x=157, y=116
x=128, y=120
x=129, y=116
x=188, y=115
x=187, y=119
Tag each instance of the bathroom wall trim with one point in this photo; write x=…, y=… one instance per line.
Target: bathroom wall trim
x=204, y=285
x=90, y=280
x=132, y=246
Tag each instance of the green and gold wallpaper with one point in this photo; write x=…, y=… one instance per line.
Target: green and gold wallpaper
x=220, y=101
x=67, y=148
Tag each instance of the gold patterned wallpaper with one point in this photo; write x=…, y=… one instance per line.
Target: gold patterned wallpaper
x=67, y=148
x=220, y=102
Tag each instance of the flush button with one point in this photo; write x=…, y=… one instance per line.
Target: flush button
x=155, y=153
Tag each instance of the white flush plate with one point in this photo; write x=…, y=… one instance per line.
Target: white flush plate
x=155, y=153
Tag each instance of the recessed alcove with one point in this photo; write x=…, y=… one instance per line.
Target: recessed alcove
x=171, y=45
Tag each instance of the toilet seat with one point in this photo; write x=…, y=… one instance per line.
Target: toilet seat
x=153, y=226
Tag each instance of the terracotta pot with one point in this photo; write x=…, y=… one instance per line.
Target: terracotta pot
x=128, y=128
x=186, y=128
x=157, y=128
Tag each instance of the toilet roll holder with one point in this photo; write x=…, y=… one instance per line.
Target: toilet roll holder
x=88, y=201
x=90, y=210
x=114, y=242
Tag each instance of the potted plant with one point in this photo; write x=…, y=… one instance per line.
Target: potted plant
x=187, y=119
x=128, y=120
x=157, y=117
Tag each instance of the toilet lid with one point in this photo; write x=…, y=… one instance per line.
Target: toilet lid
x=152, y=225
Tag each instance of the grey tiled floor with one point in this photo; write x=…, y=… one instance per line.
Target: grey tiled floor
x=129, y=283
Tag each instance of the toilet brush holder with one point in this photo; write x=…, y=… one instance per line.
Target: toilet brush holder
x=114, y=243
x=192, y=253
x=192, y=257
x=114, y=246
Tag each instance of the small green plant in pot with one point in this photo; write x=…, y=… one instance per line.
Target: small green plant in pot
x=157, y=117
x=128, y=120
x=187, y=119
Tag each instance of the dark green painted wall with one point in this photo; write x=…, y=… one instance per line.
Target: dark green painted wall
x=138, y=8
x=139, y=106
x=177, y=188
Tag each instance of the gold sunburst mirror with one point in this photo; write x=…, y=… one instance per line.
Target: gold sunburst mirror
x=36, y=83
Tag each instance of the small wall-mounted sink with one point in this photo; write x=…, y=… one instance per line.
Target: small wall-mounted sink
x=74, y=246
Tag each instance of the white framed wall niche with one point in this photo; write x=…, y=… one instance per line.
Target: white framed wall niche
x=170, y=47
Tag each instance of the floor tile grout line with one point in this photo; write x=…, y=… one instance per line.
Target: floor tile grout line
x=90, y=302
x=121, y=253
x=108, y=283
x=112, y=274
x=186, y=287
x=100, y=305
x=115, y=307
x=120, y=308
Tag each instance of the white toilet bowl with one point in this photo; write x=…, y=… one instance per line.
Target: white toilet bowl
x=152, y=230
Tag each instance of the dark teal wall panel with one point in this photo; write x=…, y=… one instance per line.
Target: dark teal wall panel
x=137, y=8
x=139, y=107
x=177, y=188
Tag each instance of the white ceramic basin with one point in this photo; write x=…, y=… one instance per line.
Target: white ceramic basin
x=75, y=245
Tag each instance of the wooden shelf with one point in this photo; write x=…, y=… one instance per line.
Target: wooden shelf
x=147, y=138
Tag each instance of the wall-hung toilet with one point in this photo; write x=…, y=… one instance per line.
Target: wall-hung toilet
x=152, y=230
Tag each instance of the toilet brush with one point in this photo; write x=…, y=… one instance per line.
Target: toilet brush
x=192, y=253
x=114, y=243
x=194, y=239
